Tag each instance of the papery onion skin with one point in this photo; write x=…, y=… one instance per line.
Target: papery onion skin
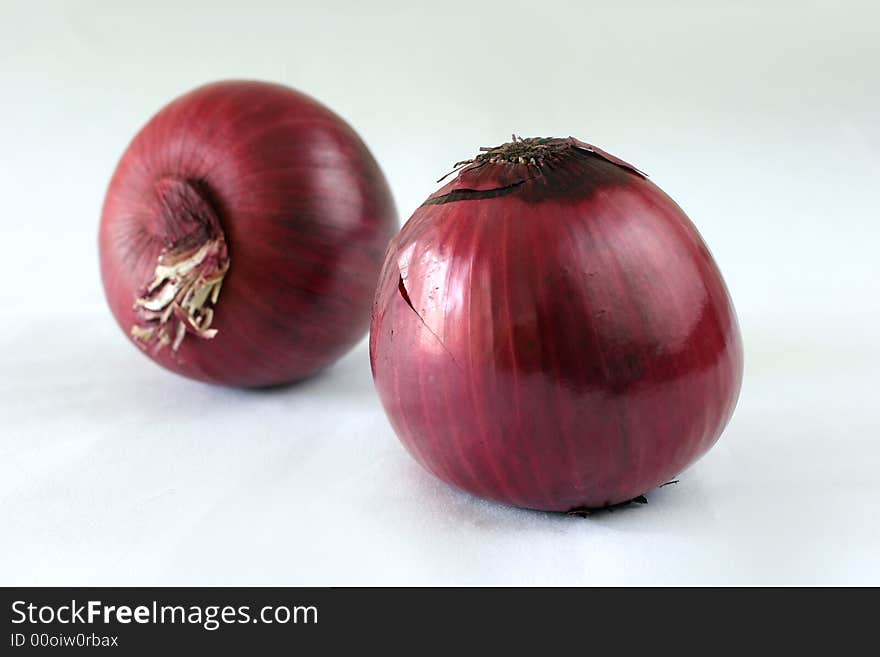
x=306, y=215
x=554, y=335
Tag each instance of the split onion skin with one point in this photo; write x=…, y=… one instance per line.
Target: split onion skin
x=305, y=216
x=554, y=335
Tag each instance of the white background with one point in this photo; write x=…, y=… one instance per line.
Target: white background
x=762, y=119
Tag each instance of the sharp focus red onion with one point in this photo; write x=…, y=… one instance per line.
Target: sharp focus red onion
x=551, y=331
x=242, y=235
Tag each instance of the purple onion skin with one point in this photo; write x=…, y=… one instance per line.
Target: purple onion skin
x=554, y=336
x=305, y=211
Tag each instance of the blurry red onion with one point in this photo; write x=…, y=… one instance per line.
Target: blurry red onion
x=551, y=331
x=242, y=235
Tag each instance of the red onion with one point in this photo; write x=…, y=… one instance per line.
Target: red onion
x=550, y=331
x=242, y=235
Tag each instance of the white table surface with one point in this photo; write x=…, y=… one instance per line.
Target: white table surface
x=763, y=126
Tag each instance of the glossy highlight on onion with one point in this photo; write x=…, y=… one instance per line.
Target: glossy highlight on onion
x=550, y=331
x=242, y=235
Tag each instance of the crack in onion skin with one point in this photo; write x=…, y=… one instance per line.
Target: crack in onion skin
x=568, y=344
x=294, y=214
